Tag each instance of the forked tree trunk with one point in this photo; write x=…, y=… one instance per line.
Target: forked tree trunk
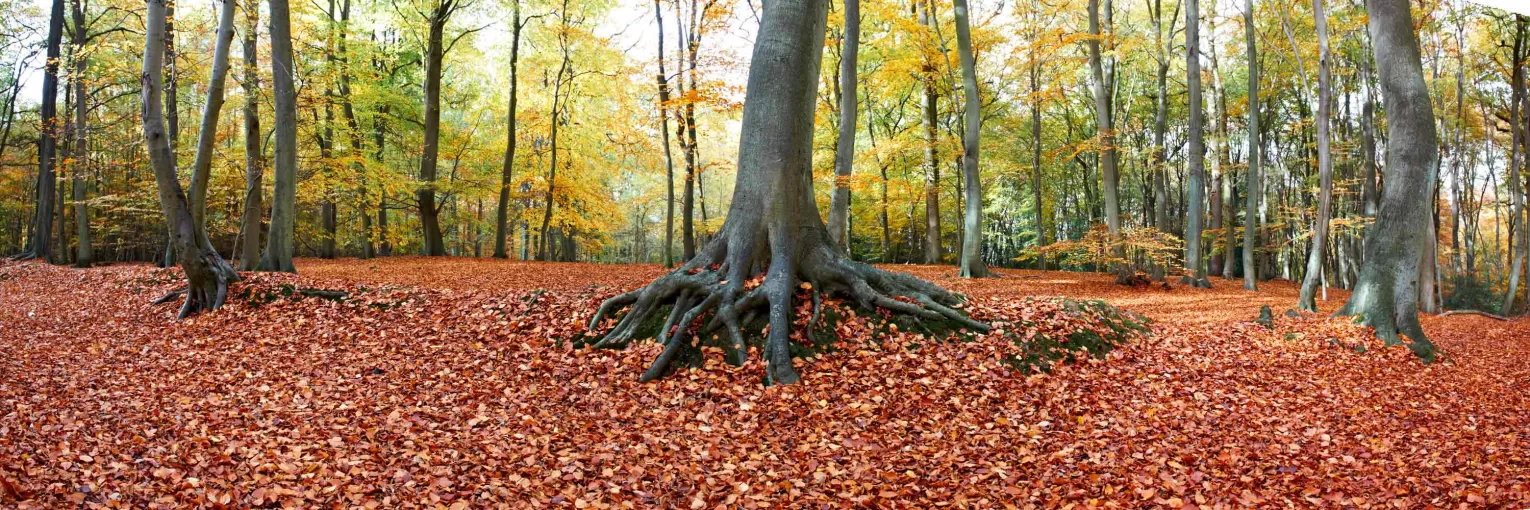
x=502, y=212
x=773, y=226
x=1194, y=262
x=279, y=244
x=40, y=244
x=844, y=148
x=430, y=222
x=201, y=168
x=249, y=220
x=972, y=265
x=1307, y=300
x=1386, y=297
x=207, y=275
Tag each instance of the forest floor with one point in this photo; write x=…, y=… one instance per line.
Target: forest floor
x=448, y=383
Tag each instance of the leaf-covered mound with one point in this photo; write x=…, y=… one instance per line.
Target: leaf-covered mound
x=400, y=396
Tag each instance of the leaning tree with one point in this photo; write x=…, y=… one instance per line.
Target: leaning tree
x=207, y=274
x=773, y=229
x=1386, y=297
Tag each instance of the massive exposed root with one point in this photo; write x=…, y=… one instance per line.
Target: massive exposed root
x=719, y=293
x=208, y=280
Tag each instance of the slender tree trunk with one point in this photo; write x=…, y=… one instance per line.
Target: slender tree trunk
x=932, y=251
x=429, y=212
x=279, y=241
x=669, y=157
x=844, y=148
x=1251, y=218
x=207, y=275
x=502, y=212
x=1194, y=262
x=201, y=169
x=83, y=255
x=249, y=222
x=1158, y=169
x=1106, y=127
x=1386, y=297
x=1307, y=299
x=545, y=245
x=972, y=265
x=1036, y=181
x=1519, y=231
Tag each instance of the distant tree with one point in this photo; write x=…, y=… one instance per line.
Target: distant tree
x=844, y=147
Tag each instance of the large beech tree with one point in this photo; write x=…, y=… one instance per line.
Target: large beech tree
x=773, y=227
x=207, y=274
x=1386, y=296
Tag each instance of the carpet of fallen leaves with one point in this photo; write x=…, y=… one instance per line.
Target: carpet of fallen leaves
x=442, y=384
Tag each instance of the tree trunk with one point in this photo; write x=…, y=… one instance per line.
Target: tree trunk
x=1159, y=169
x=972, y=265
x=773, y=226
x=430, y=222
x=201, y=169
x=502, y=212
x=844, y=148
x=544, y=251
x=279, y=242
x=1310, y=282
x=669, y=157
x=1386, y=297
x=932, y=251
x=40, y=245
x=249, y=221
x=1194, y=262
x=207, y=275
x=1041, y=224
x=1251, y=211
x=1106, y=128
x=83, y=256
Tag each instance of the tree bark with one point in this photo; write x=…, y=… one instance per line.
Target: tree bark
x=201, y=168
x=507, y=169
x=279, y=242
x=669, y=157
x=83, y=256
x=972, y=265
x=40, y=245
x=1251, y=211
x=932, y=251
x=1196, y=265
x=773, y=226
x=1386, y=297
x=430, y=222
x=207, y=275
x=249, y=221
x=1106, y=128
x=844, y=148
x=1310, y=282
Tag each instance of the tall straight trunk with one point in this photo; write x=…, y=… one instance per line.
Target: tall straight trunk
x=201, y=168
x=844, y=148
x=353, y=128
x=430, y=222
x=506, y=172
x=40, y=245
x=279, y=242
x=1160, y=124
x=1519, y=238
x=249, y=221
x=1194, y=262
x=1224, y=166
x=207, y=275
x=972, y=265
x=1368, y=192
x=1106, y=128
x=932, y=251
x=545, y=246
x=685, y=131
x=669, y=157
x=1310, y=283
x=1041, y=224
x=1251, y=211
x=83, y=256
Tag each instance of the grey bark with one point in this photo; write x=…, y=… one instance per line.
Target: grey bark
x=972, y=265
x=1106, y=127
x=279, y=242
x=1519, y=231
x=83, y=256
x=1251, y=210
x=201, y=168
x=1194, y=262
x=844, y=147
x=207, y=275
x=249, y=221
x=932, y=251
x=1386, y=297
x=1310, y=282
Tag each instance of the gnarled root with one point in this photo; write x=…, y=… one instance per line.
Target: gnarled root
x=712, y=287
